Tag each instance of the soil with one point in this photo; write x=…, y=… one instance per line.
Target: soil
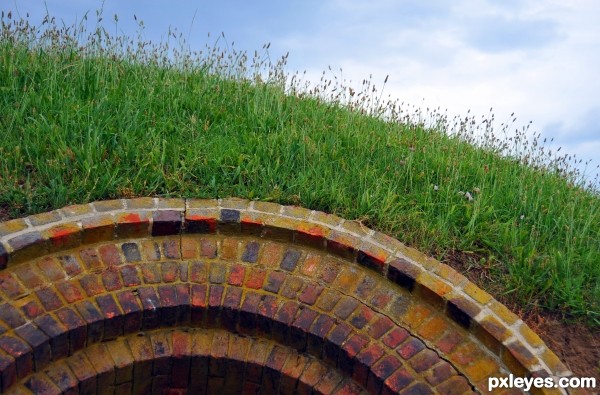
x=575, y=343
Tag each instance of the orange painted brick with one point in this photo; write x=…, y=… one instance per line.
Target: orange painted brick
x=190, y=247
x=416, y=315
x=63, y=237
x=482, y=369
x=434, y=328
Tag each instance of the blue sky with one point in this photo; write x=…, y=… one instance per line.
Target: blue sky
x=536, y=58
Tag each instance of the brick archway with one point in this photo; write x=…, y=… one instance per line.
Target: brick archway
x=297, y=285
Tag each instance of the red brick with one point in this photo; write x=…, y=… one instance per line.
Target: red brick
x=170, y=271
x=151, y=273
x=32, y=309
x=424, y=360
x=70, y=291
x=265, y=314
x=217, y=272
x=381, y=371
x=317, y=333
x=172, y=249
x=133, y=312
x=91, y=284
x=397, y=382
x=362, y=317
x=310, y=294
x=90, y=258
x=110, y=255
x=208, y=248
x=70, y=264
x=380, y=326
x=449, y=341
x=236, y=275
x=329, y=382
x=334, y=340
x=111, y=279
x=198, y=301
x=150, y=305
x=351, y=348
x=455, y=385
x=256, y=278
x=49, y=299
x=113, y=316
x=51, y=269
x=167, y=295
x=440, y=373
x=28, y=276
x=283, y=319
x=409, y=348
x=162, y=352
x=310, y=377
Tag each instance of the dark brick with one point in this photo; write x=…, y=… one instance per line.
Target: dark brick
x=32, y=309
x=8, y=372
x=217, y=273
x=62, y=376
x=365, y=287
x=290, y=260
x=3, y=258
x=315, y=340
x=251, y=252
x=334, y=340
x=424, y=360
x=111, y=279
x=198, y=224
x=132, y=320
x=150, y=305
x=274, y=281
x=57, y=333
x=370, y=261
x=41, y=384
x=418, y=389
x=362, y=317
x=26, y=240
x=113, y=317
x=167, y=294
x=166, y=222
x=130, y=275
x=300, y=328
x=310, y=294
x=350, y=349
x=94, y=319
x=229, y=216
x=11, y=316
x=381, y=371
x=38, y=341
x=283, y=319
x=403, y=273
x=184, y=301
x=77, y=331
x=231, y=306
x=462, y=311
x=9, y=285
x=345, y=307
x=132, y=252
x=365, y=361
x=265, y=314
x=247, y=321
x=20, y=351
x=198, y=303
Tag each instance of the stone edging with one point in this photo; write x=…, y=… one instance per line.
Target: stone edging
x=502, y=332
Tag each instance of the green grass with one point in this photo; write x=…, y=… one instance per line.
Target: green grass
x=84, y=119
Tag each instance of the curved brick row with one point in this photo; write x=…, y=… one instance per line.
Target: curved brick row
x=194, y=361
x=356, y=299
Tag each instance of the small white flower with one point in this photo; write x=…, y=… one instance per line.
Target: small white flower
x=436, y=188
x=469, y=196
x=522, y=217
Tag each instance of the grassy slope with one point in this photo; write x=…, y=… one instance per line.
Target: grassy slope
x=75, y=129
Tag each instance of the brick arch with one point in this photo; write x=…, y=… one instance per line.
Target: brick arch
x=382, y=315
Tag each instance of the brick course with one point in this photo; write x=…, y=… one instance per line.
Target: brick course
x=350, y=309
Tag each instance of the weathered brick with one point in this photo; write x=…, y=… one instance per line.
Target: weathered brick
x=217, y=272
x=398, y=381
x=200, y=223
x=151, y=272
x=410, y=348
x=380, y=326
x=91, y=284
x=365, y=360
x=103, y=364
x=310, y=294
x=150, y=305
x=311, y=235
x=94, y=319
x=362, y=316
x=274, y=281
x=83, y=371
x=250, y=253
x=27, y=246
x=29, y=276
x=39, y=343
x=462, y=310
x=76, y=326
x=172, y=249
x=231, y=305
x=334, y=340
x=90, y=258
x=113, y=316
x=300, y=328
x=51, y=269
x=170, y=271
x=20, y=351
x=9, y=285
x=98, y=228
x=123, y=359
x=132, y=225
x=167, y=295
x=62, y=376
x=111, y=279
x=70, y=264
x=57, y=333
x=424, y=360
x=292, y=286
x=432, y=289
x=8, y=371
x=11, y=316
x=132, y=320
x=131, y=251
x=255, y=278
x=381, y=371
x=403, y=273
x=40, y=384
x=198, y=272
x=290, y=260
x=129, y=274
x=345, y=307
x=166, y=222
x=350, y=349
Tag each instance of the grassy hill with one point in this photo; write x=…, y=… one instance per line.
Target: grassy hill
x=86, y=118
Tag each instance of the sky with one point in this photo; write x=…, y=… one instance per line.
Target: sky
x=538, y=59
